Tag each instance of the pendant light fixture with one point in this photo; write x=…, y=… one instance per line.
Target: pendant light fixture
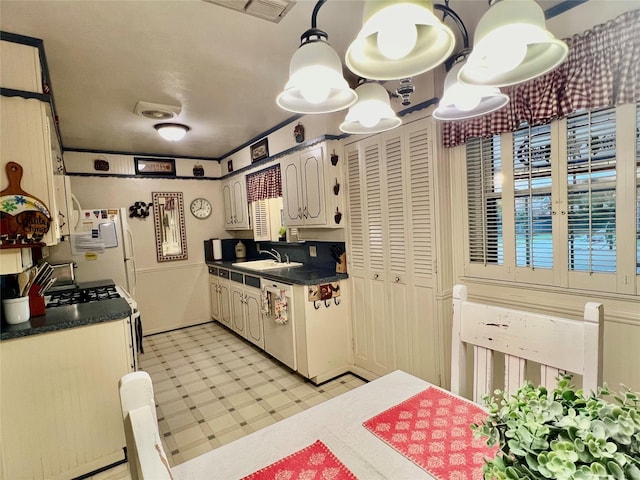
x=399, y=39
x=372, y=113
x=172, y=131
x=461, y=101
x=316, y=84
x=512, y=45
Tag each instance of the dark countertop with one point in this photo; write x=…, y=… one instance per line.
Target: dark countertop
x=304, y=275
x=70, y=316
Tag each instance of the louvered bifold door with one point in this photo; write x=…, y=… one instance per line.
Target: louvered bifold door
x=356, y=215
x=591, y=198
x=420, y=202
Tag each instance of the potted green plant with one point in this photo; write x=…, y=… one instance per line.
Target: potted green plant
x=562, y=434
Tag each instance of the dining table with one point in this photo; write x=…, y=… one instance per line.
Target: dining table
x=352, y=428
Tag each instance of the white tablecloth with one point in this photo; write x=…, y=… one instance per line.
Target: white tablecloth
x=336, y=422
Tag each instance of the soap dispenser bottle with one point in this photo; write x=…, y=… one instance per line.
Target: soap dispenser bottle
x=241, y=251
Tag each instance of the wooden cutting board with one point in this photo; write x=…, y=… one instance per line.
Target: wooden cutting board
x=24, y=218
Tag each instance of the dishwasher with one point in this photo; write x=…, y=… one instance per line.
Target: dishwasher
x=279, y=324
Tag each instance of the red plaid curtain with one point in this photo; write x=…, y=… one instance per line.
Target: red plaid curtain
x=602, y=69
x=264, y=184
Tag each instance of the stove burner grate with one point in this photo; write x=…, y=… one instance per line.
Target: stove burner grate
x=85, y=295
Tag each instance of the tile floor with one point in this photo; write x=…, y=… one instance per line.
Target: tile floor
x=212, y=387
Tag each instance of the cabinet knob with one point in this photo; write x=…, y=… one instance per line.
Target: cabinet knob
x=397, y=279
x=375, y=276
x=306, y=212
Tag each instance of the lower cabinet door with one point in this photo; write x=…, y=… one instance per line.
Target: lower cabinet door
x=237, y=310
x=254, y=325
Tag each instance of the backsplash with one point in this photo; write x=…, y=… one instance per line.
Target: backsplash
x=298, y=252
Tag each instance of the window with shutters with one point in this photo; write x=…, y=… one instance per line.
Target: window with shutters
x=591, y=191
x=574, y=220
x=532, y=197
x=484, y=201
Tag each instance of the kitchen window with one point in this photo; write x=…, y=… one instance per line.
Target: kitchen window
x=484, y=201
x=558, y=204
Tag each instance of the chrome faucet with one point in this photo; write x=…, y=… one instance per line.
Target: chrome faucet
x=274, y=253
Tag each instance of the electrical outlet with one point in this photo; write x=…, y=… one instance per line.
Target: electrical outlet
x=312, y=251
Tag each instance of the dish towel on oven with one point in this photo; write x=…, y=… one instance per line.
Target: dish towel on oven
x=281, y=308
x=264, y=303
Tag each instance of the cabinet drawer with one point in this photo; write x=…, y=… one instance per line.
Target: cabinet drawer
x=213, y=271
x=237, y=277
x=252, y=281
x=223, y=273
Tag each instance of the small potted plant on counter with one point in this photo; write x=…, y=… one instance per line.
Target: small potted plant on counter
x=562, y=434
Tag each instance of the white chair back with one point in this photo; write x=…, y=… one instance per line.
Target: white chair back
x=557, y=345
x=147, y=459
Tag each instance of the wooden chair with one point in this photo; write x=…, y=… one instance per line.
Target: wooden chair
x=147, y=459
x=558, y=345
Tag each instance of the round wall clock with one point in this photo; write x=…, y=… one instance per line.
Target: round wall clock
x=201, y=208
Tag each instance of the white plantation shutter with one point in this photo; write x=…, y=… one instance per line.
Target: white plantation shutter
x=356, y=246
x=420, y=199
x=484, y=200
x=638, y=188
x=532, y=196
x=374, y=206
x=591, y=190
x=395, y=205
x=260, y=220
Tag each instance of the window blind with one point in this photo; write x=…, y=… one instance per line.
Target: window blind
x=484, y=199
x=591, y=190
x=532, y=196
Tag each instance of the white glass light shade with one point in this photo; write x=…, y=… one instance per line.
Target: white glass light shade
x=512, y=45
x=372, y=112
x=172, y=131
x=461, y=101
x=316, y=84
x=399, y=39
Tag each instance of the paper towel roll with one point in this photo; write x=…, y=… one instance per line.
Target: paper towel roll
x=217, y=248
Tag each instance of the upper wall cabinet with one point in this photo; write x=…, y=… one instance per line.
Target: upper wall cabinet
x=20, y=67
x=27, y=129
x=236, y=208
x=308, y=192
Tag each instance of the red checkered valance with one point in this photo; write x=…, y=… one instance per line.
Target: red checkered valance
x=602, y=69
x=264, y=184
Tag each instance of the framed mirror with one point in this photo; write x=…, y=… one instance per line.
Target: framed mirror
x=168, y=218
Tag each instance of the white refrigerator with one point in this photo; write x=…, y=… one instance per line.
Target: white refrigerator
x=101, y=244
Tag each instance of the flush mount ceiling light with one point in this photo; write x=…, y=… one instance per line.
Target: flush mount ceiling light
x=399, y=39
x=512, y=45
x=316, y=84
x=372, y=112
x=172, y=131
x=461, y=101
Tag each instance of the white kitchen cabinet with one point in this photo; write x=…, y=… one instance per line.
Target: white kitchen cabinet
x=303, y=189
x=236, y=208
x=61, y=415
x=398, y=321
x=322, y=334
x=253, y=316
x=246, y=314
x=238, y=309
x=220, y=297
x=64, y=208
x=26, y=137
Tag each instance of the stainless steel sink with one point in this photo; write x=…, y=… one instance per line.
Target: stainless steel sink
x=260, y=265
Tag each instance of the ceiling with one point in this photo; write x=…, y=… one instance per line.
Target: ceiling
x=223, y=67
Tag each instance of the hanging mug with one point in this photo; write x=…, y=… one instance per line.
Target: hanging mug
x=336, y=187
x=338, y=216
